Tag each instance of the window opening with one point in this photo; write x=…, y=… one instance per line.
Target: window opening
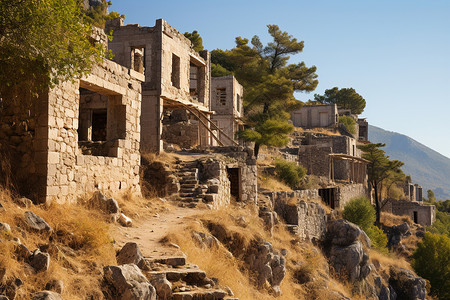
x=233, y=176
x=221, y=95
x=175, y=77
x=138, y=59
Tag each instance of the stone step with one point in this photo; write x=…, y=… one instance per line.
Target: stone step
x=174, y=261
x=186, y=195
x=187, y=189
x=188, y=181
x=188, y=185
x=193, y=276
x=200, y=294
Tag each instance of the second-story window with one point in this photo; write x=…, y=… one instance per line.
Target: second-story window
x=175, y=77
x=221, y=95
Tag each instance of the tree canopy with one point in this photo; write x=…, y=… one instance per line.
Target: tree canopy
x=380, y=168
x=269, y=82
x=196, y=40
x=346, y=98
x=43, y=42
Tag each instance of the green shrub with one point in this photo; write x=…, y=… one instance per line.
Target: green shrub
x=360, y=212
x=290, y=173
x=349, y=123
x=378, y=238
x=431, y=260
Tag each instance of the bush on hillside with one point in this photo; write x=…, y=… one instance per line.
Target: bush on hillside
x=431, y=260
x=290, y=173
x=360, y=212
x=349, y=123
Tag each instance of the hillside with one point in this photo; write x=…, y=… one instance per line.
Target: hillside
x=426, y=166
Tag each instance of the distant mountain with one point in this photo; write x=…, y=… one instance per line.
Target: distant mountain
x=427, y=167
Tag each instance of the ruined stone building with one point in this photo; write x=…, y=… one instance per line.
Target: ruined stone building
x=78, y=136
x=176, y=91
x=363, y=130
x=226, y=102
x=312, y=116
x=413, y=192
x=420, y=213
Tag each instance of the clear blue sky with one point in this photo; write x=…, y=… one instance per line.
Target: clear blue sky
x=395, y=53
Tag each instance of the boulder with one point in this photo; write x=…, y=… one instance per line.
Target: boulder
x=40, y=261
x=130, y=254
x=396, y=233
x=55, y=286
x=23, y=202
x=107, y=205
x=3, y=297
x=162, y=285
x=46, y=295
x=346, y=250
x=125, y=221
x=407, y=285
x=36, y=223
x=127, y=282
x=5, y=228
x=205, y=240
x=22, y=252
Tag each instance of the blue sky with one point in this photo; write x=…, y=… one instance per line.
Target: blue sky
x=395, y=53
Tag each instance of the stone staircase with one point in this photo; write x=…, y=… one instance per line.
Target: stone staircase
x=187, y=281
x=192, y=192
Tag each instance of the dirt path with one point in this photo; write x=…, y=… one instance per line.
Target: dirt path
x=148, y=231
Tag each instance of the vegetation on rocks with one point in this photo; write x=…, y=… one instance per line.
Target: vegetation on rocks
x=290, y=173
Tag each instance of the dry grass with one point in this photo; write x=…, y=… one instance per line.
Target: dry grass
x=325, y=131
x=382, y=261
x=79, y=248
x=231, y=270
x=390, y=220
x=271, y=183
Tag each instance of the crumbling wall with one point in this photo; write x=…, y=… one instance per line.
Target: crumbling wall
x=303, y=217
x=418, y=212
x=213, y=173
x=346, y=192
x=315, y=159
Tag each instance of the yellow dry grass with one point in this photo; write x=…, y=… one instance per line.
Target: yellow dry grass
x=325, y=131
x=231, y=270
x=79, y=248
x=390, y=220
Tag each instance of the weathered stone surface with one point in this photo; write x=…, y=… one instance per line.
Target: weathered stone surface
x=46, y=295
x=3, y=297
x=125, y=221
x=22, y=252
x=396, y=233
x=346, y=252
x=130, y=254
x=205, y=240
x=268, y=264
x=35, y=222
x=55, y=286
x=5, y=228
x=162, y=285
x=406, y=285
x=23, y=202
x=39, y=261
x=127, y=282
x=107, y=205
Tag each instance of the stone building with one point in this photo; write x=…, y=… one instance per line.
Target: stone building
x=413, y=192
x=226, y=102
x=311, y=116
x=418, y=212
x=78, y=136
x=176, y=78
x=363, y=130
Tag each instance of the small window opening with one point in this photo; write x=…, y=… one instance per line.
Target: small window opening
x=101, y=123
x=238, y=102
x=175, y=77
x=193, y=82
x=221, y=95
x=138, y=59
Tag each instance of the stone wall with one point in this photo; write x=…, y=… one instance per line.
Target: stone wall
x=57, y=157
x=315, y=159
x=175, y=74
x=304, y=218
x=213, y=172
x=346, y=192
x=310, y=116
x=418, y=212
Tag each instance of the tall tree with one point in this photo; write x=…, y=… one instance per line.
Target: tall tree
x=269, y=82
x=380, y=168
x=42, y=42
x=346, y=98
x=431, y=197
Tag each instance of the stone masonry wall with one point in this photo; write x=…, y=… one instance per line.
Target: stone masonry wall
x=426, y=214
x=304, y=218
x=346, y=192
x=69, y=172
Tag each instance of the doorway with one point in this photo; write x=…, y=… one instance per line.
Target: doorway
x=328, y=196
x=235, y=185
